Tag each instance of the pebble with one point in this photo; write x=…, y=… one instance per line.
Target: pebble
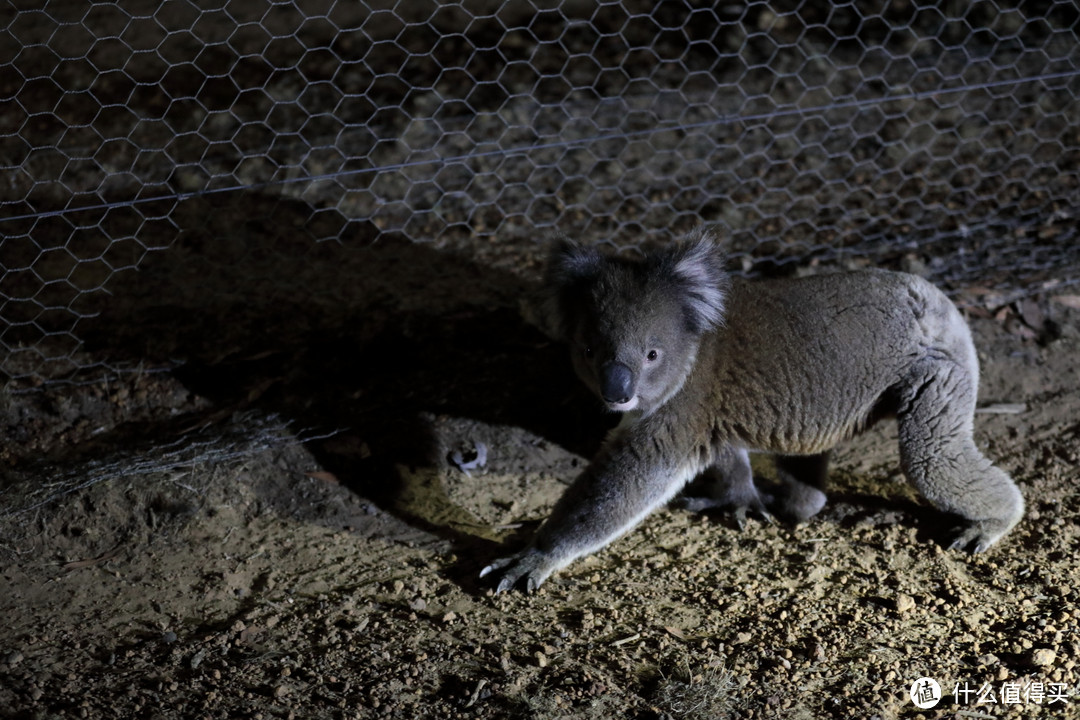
x=904, y=603
x=1042, y=657
x=13, y=658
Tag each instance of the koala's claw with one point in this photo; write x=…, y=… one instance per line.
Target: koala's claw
x=739, y=511
x=531, y=564
x=980, y=535
x=759, y=510
x=970, y=539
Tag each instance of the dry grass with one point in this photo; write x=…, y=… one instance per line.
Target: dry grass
x=709, y=693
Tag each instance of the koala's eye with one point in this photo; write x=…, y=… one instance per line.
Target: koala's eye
x=652, y=355
x=587, y=352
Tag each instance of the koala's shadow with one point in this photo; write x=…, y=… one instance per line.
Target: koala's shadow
x=851, y=509
x=846, y=508
x=370, y=341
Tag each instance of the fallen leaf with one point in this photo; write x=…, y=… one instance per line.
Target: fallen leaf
x=259, y=390
x=1069, y=301
x=977, y=311
x=976, y=291
x=1031, y=313
x=1023, y=331
x=250, y=634
x=676, y=632
x=77, y=564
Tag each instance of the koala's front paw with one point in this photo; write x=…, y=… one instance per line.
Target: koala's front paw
x=530, y=564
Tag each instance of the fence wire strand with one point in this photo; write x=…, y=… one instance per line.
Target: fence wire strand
x=943, y=136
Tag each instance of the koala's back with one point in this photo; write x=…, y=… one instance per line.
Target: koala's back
x=802, y=364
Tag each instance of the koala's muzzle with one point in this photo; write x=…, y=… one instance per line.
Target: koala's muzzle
x=616, y=382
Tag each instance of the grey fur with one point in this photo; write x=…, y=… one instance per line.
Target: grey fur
x=790, y=367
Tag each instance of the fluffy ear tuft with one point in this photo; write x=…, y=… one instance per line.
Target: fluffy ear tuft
x=570, y=269
x=697, y=263
x=570, y=263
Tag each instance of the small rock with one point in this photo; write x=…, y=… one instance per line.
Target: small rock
x=1042, y=657
x=986, y=660
x=13, y=658
x=904, y=603
x=541, y=659
x=913, y=264
x=449, y=617
x=168, y=637
x=743, y=638
x=419, y=604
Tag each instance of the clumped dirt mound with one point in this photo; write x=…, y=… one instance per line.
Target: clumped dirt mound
x=300, y=541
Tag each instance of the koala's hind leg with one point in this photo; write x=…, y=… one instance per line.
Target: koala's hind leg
x=727, y=485
x=939, y=456
x=802, y=478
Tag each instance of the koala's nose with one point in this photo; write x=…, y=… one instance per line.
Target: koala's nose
x=616, y=382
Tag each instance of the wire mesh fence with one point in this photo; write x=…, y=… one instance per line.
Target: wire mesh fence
x=943, y=137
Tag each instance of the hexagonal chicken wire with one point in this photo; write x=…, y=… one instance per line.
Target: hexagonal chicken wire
x=803, y=130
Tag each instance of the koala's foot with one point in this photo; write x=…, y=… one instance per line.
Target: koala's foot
x=530, y=564
x=797, y=502
x=990, y=505
x=979, y=535
x=728, y=486
x=739, y=509
x=799, y=496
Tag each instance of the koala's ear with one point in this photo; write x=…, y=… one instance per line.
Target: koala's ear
x=697, y=265
x=570, y=270
x=570, y=263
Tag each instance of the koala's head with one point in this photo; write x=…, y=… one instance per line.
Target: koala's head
x=634, y=326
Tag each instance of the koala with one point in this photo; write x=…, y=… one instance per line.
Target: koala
x=706, y=369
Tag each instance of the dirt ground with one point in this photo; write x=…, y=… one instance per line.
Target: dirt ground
x=278, y=529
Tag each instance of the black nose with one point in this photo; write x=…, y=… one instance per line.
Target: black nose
x=616, y=382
